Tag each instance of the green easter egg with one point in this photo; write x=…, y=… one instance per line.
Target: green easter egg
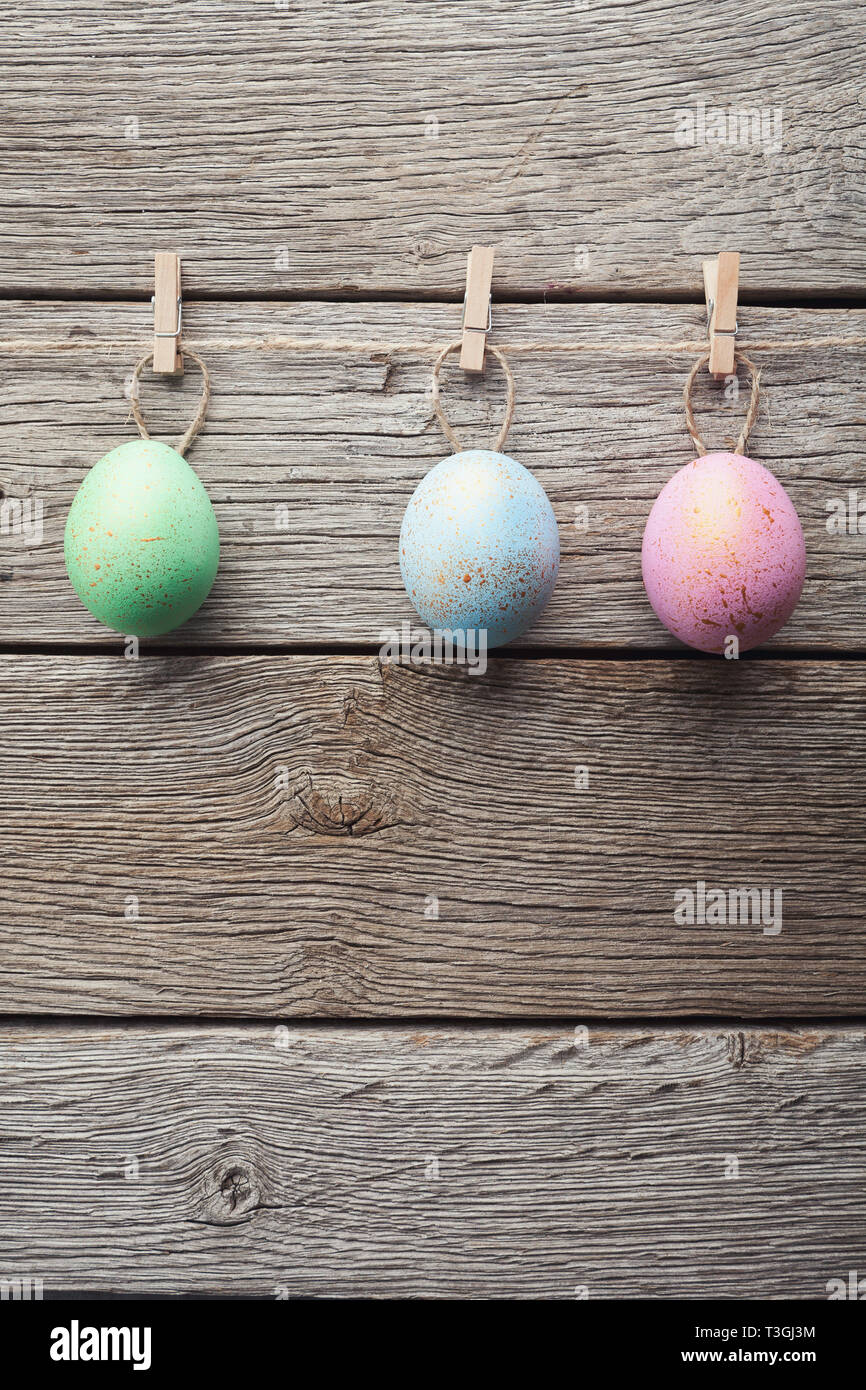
x=141, y=543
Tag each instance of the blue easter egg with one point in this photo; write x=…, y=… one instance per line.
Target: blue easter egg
x=479, y=546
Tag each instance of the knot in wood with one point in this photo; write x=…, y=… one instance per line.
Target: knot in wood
x=234, y=1192
x=236, y=1188
x=425, y=249
x=336, y=804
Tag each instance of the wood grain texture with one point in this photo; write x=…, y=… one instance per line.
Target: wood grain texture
x=311, y=457
x=334, y=148
x=522, y=1162
x=319, y=836
x=322, y=836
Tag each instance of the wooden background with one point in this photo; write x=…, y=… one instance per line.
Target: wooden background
x=321, y=977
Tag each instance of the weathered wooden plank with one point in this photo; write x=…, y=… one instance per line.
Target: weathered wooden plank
x=310, y=457
x=337, y=148
x=469, y=1162
x=328, y=837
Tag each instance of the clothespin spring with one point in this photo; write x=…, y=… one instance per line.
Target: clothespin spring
x=172, y=332
x=720, y=332
x=473, y=327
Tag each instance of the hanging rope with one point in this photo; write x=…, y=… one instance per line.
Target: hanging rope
x=183, y=443
x=509, y=397
x=751, y=413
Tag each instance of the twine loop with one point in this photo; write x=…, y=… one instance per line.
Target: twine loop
x=509, y=400
x=751, y=413
x=185, y=441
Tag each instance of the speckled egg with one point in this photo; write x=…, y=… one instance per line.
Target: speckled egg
x=141, y=542
x=723, y=553
x=479, y=546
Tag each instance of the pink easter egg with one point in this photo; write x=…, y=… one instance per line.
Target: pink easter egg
x=723, y=553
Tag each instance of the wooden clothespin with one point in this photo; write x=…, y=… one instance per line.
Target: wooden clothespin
x=721, y=282
x=477, y=310
x=167, y=309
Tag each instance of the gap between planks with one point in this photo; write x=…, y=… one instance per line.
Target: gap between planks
x=565, y=653
x=767, y=299
x=635, y=1023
